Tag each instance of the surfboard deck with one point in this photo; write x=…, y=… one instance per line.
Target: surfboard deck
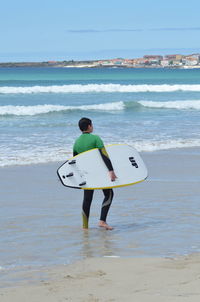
x=88, y=171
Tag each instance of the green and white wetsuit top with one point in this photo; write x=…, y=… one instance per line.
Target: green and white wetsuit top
x=87, y=141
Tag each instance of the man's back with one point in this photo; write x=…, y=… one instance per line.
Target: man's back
x=87, y=141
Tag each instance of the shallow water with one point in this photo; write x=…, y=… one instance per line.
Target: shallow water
x=41, y=222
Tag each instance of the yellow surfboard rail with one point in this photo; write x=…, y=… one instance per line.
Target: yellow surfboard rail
x=113, y=187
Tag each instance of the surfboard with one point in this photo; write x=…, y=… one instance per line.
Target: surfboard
x=88, y=171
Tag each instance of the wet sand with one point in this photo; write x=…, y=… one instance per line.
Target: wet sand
x=114, y=279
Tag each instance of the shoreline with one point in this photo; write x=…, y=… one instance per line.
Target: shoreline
x=21, y=65
x=192, y=149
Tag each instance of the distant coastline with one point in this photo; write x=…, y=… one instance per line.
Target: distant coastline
x=148, y=61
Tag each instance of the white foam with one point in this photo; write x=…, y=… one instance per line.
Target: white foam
x=78, y=88
x=36, y=155
x=193, y=104
x=42, y=109
x=41, y=154
x=150, y=146
x=111, y=256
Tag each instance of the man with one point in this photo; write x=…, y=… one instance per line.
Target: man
x=85, y=142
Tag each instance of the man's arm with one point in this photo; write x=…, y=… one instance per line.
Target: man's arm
x=106, y=159
x=108, y=163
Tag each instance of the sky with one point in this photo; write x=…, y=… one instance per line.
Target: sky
x=42, y=30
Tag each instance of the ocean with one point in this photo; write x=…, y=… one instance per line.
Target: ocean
x=155, y=110
x=150, y=109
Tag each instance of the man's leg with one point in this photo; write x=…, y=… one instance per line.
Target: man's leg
x=87, y=200
x=108, y=193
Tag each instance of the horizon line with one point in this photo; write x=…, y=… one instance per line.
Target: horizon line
x=111, y=30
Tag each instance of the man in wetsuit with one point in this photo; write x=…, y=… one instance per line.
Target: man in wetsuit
x=87, y=141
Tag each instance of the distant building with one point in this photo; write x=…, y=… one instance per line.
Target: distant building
x=105, y=63
x=164, y=63
x=153, y=60
x=177, y=62
x=173, y=57
x=140, y=62
x=153, y=57
x=128, y=62
x=194, y=55
x=174, y=60
x=111, y=62
x=190, y=61
x=117, y=61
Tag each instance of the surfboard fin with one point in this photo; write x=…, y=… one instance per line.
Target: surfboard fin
x=72, y=162
x=70, y=174
x=82, y=183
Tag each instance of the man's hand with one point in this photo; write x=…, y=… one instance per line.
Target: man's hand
x=112, y=175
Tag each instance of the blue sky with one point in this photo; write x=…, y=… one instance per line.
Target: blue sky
x=42, y=30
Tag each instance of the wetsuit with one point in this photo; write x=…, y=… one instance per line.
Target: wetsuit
x=85, y=142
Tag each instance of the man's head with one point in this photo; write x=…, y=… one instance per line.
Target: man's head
x=85, y=125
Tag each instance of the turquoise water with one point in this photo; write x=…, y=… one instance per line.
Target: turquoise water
x=150, y=109
x=102, y=74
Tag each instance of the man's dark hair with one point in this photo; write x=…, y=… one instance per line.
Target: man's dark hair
x=84, y=123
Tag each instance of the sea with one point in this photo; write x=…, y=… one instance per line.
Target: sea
x=154, y=110
x=150, y=109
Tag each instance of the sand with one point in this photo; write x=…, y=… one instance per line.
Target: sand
x=115, y=279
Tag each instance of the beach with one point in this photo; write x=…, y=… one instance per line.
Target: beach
x=106, y=280
x=151, y=255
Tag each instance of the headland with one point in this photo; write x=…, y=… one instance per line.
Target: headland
x=147, y=61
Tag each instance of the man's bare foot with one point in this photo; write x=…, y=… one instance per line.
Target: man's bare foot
x=104, y=225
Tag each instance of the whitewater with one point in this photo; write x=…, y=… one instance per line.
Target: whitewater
x=48, y=108
x=109, y=88
x=40, y=154
x=150, y=110
x=114, y=106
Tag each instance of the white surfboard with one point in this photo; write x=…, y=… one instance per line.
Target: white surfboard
x=88, y=171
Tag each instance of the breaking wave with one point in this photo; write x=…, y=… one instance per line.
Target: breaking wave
x=110, y=88
x=195, y=104
x=150, y=145
x=113, y=106
x=44, y=109
x=41, y=154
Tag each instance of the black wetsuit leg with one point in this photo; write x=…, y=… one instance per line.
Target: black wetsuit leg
x=87, y=200
x=108, y=193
